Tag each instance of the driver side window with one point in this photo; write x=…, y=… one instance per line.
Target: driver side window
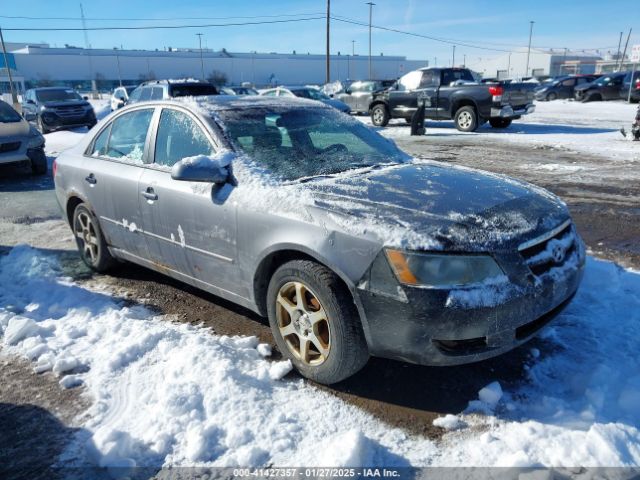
x=410, y=81
x=179, y=137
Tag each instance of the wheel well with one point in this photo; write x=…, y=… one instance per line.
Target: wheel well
x=378, y=102
x=458, y=104
x=269, y=265
x=72, y=203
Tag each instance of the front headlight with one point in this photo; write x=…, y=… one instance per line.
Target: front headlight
x=442, y=270
x=35, y=141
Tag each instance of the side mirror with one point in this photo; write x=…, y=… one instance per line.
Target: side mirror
x=85, y=98
x=203, y=168
x=331, y=95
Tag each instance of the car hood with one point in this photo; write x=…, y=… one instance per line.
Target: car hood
x=75, y=103
x=14, y=129
x=435, y=206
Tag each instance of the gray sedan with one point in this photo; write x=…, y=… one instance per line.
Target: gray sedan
x=19, y=141
x=303, y=214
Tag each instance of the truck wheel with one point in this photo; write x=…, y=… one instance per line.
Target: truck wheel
x=315, y=322
x=90, y=241
x=380, y=115
x=466, y=119
x=500, y=122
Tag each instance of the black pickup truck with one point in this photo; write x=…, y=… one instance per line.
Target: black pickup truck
x=452, y=93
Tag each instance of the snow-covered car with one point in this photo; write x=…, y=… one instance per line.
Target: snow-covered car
x=305, y=215
x=306, y=92
x=120, y=96
x=166, y=89
x=19, y=141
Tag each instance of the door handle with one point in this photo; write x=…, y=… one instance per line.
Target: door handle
x=149, y=194
x=91, y=179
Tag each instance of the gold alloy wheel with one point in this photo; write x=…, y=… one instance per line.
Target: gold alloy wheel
x=86, y=234
x=303, y=323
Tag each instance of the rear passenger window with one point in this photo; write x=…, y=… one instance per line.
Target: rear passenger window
x=128, y=136
x=179, y=137
x=157, y=93
x=146, y=94
x=100, y=144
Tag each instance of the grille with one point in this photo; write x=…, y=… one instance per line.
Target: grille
x=550, y=250
x=70, y=111
x=9, y=147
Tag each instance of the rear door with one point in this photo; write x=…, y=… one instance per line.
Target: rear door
x=189, y=226
x=565, y=89
x=611, y=89
x=112, y=168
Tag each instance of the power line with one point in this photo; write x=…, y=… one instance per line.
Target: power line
x=162, y=27
x=106, y=19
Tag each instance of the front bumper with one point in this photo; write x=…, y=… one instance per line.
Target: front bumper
x=54, y=121
x=429, y=327
x=508, y=112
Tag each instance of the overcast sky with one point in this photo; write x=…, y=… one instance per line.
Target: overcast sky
x=496, y=24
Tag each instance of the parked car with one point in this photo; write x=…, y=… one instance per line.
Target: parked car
x=19, y=141
x=306, y=92
x=299, y=213
x=238, y=90
x=562, y=87
x=358, y=95
x=165, y=89
x=452, y=93
x=120, y=96
x=606, y=87
x=635, y=90
x=55, y=108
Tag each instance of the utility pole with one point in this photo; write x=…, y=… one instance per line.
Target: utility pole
x=119, y=72
x=201, y=60
x=371, y=4
x=624, y=52
x=328, y=54
x=618, y=53
x=88, y=47
x=564, y=60
x=526, y=73
x=464, y=60
x=453, y=58
x=14, y=96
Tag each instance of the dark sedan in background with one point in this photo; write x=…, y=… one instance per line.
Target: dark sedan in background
x=303, y=214
x=358, y=95
x=55, y=108
x=606, y=87
x=562, y=87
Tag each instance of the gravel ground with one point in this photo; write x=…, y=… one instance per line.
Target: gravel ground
x=603, y=200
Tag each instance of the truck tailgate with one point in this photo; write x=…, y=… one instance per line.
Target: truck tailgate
x=518, y=94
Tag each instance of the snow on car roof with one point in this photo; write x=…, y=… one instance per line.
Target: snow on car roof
x=226, y=102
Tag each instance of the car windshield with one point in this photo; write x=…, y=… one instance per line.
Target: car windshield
x=8, y=114
x=58, y=95
x=192, y=90
x=311, y=93
x=295, y=143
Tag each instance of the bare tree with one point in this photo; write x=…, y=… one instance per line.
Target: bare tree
x=217, y=78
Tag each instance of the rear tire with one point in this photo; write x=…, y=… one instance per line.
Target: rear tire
x=90, y=241
x=315, y=322
x=500, y=122
x=380, y=115
x=551, y=97
x=466, y=119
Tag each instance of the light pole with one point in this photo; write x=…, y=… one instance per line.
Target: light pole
x=201, y=60
x=371, y=4
x=328, y=55
x=14, y=96
x=453, y=58
x=119, y=73
x=529, y=49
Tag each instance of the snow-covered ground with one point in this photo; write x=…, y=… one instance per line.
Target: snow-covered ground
x=164, y=393
x=171, y=394
x=562, y=124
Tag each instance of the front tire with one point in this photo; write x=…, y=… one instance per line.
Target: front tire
x=466, y=119
x=90, y=241
x=380, y=115
x=315, y=322
x=551, y=97
x=41, y=126
x=500, y=122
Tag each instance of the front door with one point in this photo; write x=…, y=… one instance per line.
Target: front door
x=112, y=170
x=189, y=226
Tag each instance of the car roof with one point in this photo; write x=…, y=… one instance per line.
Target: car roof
x=227, y=102
x=53, y=88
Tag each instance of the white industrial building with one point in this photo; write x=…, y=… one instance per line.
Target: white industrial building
x=542, y=62
x=44, y=65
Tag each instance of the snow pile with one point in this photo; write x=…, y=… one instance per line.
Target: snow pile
x=174, y=394
x=581, y=403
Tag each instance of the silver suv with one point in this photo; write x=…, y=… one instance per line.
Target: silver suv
x=301, y=213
